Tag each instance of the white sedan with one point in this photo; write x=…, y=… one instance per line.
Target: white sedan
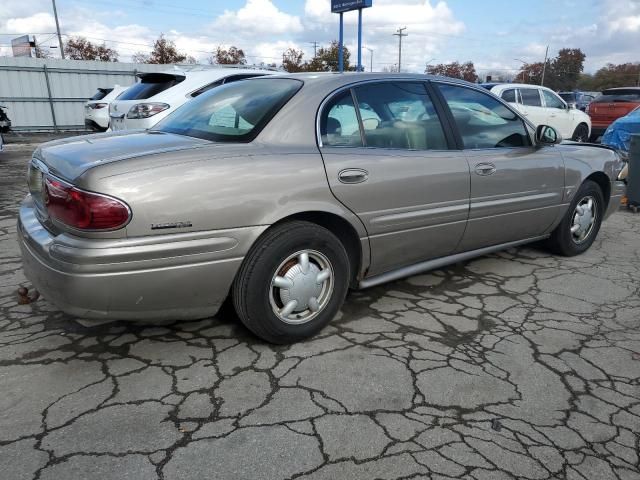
x=543, y=106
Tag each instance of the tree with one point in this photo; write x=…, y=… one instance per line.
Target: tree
x=292, y=61
x=565, y=69
x=327, y=59
x=562, y=72
x=530, y=73
x=41, y=52
x=233, y=56
x=140, y=57
x=164, y=51
x=465, y=71
x=611, y=75
x=79, y=48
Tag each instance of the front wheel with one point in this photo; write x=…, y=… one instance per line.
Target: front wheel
x=292, y=282
x=578, y=229
x=581, y=134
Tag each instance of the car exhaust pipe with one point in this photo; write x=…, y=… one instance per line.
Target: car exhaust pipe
x=24, y=298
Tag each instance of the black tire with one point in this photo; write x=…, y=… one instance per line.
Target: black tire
x=562, y=241
x=252, y=288
x=581, y=134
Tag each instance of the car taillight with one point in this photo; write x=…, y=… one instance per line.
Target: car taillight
x=97, y=106
x=146, y=110
x=83, y=210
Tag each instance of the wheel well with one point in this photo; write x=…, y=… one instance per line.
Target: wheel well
x=342, y=229
x=603, y=182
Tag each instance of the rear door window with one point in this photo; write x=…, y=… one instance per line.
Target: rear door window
x=399, y=115
x=530, y=97
x=484, y=122
x=339, y=126
x=150, y=85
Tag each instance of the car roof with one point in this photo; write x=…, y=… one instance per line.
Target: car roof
x=620, y=88
x=334, y=80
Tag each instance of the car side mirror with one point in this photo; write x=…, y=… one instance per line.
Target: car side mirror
x=546, y=135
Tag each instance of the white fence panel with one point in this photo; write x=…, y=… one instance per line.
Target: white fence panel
x=49, y=94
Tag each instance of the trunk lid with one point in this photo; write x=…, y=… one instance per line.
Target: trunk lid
x=70, y=158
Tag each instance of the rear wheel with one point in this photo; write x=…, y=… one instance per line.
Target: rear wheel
x=292, y=282
x=581, y=134
x=578, y=229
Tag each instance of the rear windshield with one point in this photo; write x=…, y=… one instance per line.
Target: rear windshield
x=621, y=95
x=568, y=97
x=101, y=93
x=150, y=85
x=234, y=112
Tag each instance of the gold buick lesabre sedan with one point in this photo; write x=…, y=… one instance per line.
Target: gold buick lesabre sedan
x=283, y=192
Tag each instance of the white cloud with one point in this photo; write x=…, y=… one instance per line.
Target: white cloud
x=429, y=25
x=258, y=17
x=264, y=31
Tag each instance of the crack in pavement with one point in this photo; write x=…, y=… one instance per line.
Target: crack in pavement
x=515, y=365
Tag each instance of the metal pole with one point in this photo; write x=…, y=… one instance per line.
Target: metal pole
x=544, y=67
x=371, y=62
x=340, y=56
x=359, y=40
x=53, y=113
x=399, y=34
x=55, y=14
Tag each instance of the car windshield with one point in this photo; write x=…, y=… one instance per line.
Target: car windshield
x=619, y=95
x=101, y=93
x=234, y=112
x=151, y=84
x=568, y=97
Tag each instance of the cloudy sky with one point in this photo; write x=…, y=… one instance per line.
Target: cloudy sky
x=492, y=33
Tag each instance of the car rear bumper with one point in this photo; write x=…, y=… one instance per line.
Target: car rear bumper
x=169, y=277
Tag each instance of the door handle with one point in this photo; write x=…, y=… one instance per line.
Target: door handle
x=485, y=169
x=353, y=175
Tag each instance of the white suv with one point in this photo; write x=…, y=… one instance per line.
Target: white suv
x=157, y=94
x=542, y=106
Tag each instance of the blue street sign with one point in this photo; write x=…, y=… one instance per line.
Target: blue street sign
x=339, y=6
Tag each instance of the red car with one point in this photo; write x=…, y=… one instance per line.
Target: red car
x=611, y=105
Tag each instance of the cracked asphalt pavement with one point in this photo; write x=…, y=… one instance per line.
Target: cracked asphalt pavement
x=515, y=365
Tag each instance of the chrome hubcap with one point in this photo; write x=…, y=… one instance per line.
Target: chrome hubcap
x=584, y=218
x=301, y=286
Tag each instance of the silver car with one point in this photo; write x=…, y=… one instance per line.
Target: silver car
x=281, y=193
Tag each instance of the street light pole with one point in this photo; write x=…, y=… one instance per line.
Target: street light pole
x=55, y=14
x=370, y=58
